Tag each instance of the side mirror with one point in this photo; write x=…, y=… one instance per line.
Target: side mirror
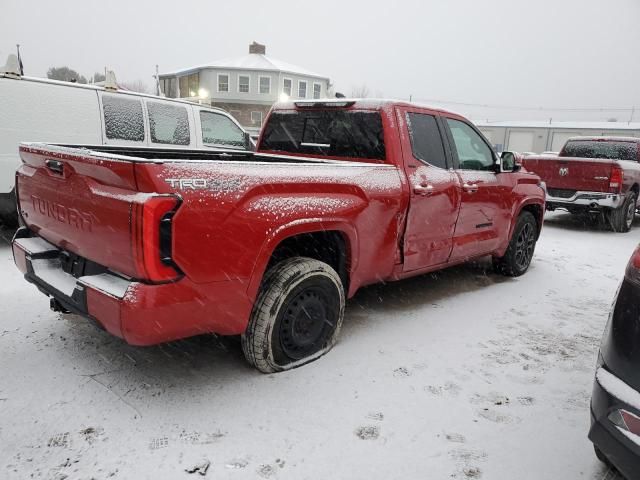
x=509, y=162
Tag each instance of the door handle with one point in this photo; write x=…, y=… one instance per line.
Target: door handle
x=422, y=189
x=470, y=187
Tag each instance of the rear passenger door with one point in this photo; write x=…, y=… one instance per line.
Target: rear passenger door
x=435, y=191
x=485, y=209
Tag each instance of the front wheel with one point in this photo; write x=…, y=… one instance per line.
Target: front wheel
x=297, y=316
x=622, y=217
x=517, y=258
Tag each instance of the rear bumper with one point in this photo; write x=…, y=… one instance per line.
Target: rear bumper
x=592, y=200
x=139, y=313
x=620, y=449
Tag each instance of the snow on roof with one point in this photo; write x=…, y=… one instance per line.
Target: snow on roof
x=567, y=125
x=252, y=61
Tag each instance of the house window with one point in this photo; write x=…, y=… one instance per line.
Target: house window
x=168, y=87
x=243, y=83
x=265, y=85
x=317, y=90
x=223, y=83
x=302, y=89
x=189, y=85
x=256, y=118
x=287, y=86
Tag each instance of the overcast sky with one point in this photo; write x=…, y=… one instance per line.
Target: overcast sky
x=582, y=54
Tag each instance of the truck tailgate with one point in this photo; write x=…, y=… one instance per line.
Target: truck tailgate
x=81, y=203
x=567, y=175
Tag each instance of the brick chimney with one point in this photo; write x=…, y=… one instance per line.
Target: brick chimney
x=257, y=48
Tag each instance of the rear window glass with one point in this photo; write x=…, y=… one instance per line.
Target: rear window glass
x=337, y=133
x=169, y=124
x=220, y=130
x=601, y=149
x=123, y=118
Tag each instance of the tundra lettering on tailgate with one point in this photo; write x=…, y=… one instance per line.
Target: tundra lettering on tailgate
x=70, y=216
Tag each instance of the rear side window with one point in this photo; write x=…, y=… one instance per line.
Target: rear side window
x=123, y=118
x=601, y=149
x=169, y=124
x=220, y=130
x=426, y=141
x=337, y=133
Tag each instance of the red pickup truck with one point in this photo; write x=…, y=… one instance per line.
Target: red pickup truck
x=156, y=245
x=593, y=174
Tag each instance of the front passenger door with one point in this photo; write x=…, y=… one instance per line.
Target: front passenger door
x=485, y=210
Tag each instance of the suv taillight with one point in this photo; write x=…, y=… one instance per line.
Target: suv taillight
x=615, y=180
x=633, y=268
x=152, y=238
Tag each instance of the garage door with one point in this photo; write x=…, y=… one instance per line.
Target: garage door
x=488, y=135
x=558, y=139
x=520, y=141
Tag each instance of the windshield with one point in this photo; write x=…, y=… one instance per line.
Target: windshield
x=601, y=149
x=336, y=133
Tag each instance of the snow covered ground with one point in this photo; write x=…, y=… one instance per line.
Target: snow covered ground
x=461, y=374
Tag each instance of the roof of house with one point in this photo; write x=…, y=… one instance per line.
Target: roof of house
x=251, y=61
x=566, y=125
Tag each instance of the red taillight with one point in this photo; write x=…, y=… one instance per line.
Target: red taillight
x=151, y=223
x=626, y=421
x=633, y=268
x=615, y=180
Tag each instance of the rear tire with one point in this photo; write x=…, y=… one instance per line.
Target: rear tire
x=297, y=316
x=517, y=258
x=8, y=209
x=621, y=219
x=601, y=456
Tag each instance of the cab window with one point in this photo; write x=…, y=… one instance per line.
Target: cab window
x=426, y=141
x=169, y=124
x=473, y=153
x=123, y=118
x=220, y=130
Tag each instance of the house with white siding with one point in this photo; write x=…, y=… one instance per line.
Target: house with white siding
x=245, y=86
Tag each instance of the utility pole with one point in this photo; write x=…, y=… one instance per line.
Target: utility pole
x=157, y=77
x=633, y=110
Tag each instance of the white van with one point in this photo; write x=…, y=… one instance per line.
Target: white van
x=42, y=110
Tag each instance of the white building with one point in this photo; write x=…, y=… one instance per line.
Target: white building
x=246, y=86
x=540, y=136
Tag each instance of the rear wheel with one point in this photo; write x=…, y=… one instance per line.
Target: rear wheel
x=621, y=219
x=297, y=316
x=517, y=258
x=601, y=456
x=8, y=209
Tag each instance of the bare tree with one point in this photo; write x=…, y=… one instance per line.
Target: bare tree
x=135, y=86
x=361, y=91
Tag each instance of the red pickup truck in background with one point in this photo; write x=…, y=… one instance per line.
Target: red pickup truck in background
x=593, y=174
x=156, y=245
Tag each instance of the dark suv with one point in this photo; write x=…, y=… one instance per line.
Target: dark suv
x=615, y=403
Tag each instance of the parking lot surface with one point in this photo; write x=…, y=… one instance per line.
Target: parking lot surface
x=459, y=374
